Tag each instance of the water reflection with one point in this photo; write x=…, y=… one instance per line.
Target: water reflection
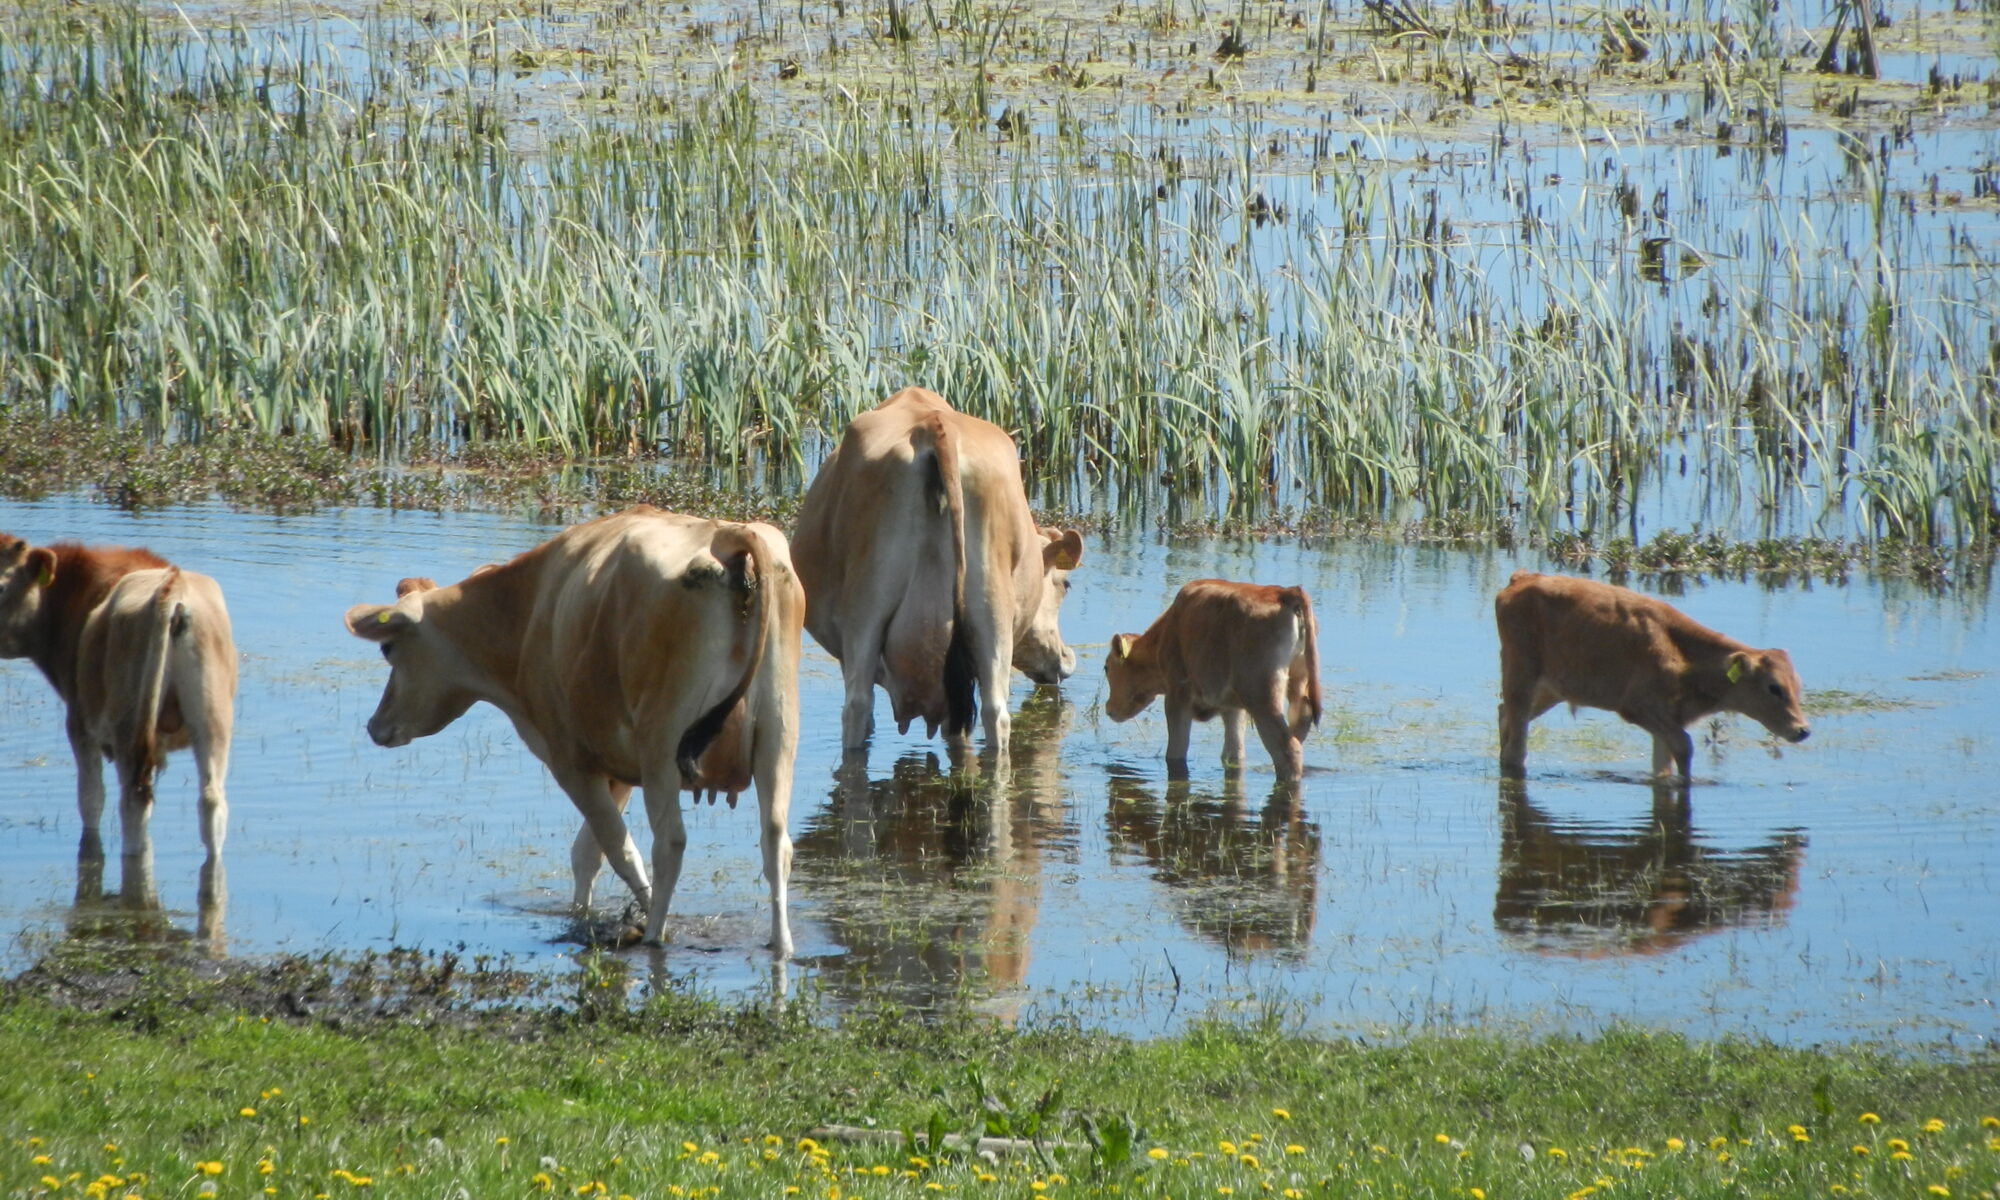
x=931, y=877
x=1597, y=888
x=134, y=913
x=1245, y=882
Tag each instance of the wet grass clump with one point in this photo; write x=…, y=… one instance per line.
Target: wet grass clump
x=1776, y=561
x=183, y=1092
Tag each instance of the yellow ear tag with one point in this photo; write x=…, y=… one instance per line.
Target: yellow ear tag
x=1735, y=670
x=382, y=618
x=46, y=578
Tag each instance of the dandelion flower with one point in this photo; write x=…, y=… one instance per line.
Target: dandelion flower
x=501, y=1140
x=1248, y=1160
x=1869, y=1118
x=40, y=1160
x=1898, y=1144
x=1938, y=1189
x=1558, y=1153
x=1795, y=1130
x=1225, y=1190
x=1675, y=1143
x=1294, y=1194
x=1281, y=1114
x=1227, y=1147
x=209, y=1168
x=1902, y=1156
x=1442, y=1139
x=246, y=1111
x=1933, y=1126
x=1157, y=1153
x=1861, y=1150
x=1036, y=1185
x=1476, y=1193
x=1989, y=1122
x=1295, y=1148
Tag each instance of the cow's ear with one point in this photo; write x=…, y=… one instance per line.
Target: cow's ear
x=1121, y=646
x=42, y=565
x=377, y=622
x=416, y=583
x=1064, y=551
x=1739, y=665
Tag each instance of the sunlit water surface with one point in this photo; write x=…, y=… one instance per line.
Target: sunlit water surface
x=1843, y=889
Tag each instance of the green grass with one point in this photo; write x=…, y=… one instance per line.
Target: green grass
x=173, y=1087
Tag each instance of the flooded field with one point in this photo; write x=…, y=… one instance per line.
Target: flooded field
x=1842, y=889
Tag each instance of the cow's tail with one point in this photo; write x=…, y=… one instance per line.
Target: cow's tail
x=169, y=621
x=945, y=494
x=1309, y=631
x=741, y=555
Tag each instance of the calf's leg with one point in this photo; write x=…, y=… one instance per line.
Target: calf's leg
x=1232, y=737
x=1673, y=752
x=1180, y=725
x=1287, y=755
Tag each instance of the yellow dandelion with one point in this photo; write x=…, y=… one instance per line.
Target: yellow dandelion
x=1442, y=1139
x=1938, y=1189
x=1227, y=1147
x=1801, y=1137
x=1898, y=1144
x=986, y=1177
x=40, y=1160
x=501, y=1140
x=805, y=1144
x=1281, y=1114
x=209, y=1168
x=112, y=1147
x=1248, y=1160
x=1989, y=1122
x=1225, y=1190
x=1294, y=1148
x=1558, y=1153
x=689, y=1147
x=1869, y=1118
x=1838, y=1189
x=246, y=1111
x=541, y=1180
x=1675, y=1143
x=1157, y=1153
x=1795, y=1130
x=933, y=1186
x=1294, y=1194
x=879, y=1169
x=1933, y=1126
x=1717, y=1142
x=1057, y=1177
x=1860, y=1149
x=1037, y=1185
x=1476, y=1193
x=1902, y=1156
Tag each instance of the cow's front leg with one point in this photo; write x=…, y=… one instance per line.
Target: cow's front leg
x=663, y=811
x=1232, y=738
x=1180, y=727
x=996, y=675
x=89, y=788
x=1673, y=753
x=586, y=856
x=604, y=820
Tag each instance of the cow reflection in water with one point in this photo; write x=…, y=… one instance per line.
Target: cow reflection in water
x=1246, y=882
x=1594, y=888
x=134, y=913
x=931, y=878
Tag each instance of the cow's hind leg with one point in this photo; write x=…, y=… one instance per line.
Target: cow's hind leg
x=1521, y=701
x=89, y=789
x=857, y=672
x=1288, y=757
x=586, y=856
x=774, y=803
x=135, y=811
x=603, y=817
x=663, y=811
x=210, y=743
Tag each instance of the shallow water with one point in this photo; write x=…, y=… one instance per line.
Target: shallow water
x=1842, y=889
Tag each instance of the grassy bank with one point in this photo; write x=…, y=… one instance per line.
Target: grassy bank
x=181, y=1086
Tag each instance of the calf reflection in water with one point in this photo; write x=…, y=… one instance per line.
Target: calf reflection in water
x=1247, y=883
x=134, y=913
x=1594, y=889
x=931, y=878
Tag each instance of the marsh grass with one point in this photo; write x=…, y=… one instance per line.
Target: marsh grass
x=214, y=232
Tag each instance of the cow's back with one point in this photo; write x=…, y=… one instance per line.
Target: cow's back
x=180, y=617
x=1593, y=643
x=1228, y=642
x=632, y=626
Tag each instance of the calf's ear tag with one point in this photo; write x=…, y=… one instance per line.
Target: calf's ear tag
x=46, y=578
x=382, y=618
x=1735, y=670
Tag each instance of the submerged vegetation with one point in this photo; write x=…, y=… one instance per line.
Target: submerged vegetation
x=188, y=1086
x=1361, y=264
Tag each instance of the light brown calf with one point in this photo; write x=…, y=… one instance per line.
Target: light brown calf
x=1593, y=645
x=1225, y=648
x=640, y=649
x=141, y=654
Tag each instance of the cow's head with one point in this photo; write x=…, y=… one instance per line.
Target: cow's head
x=1764, y=687
x=1040, y=653
x=427, y=673
x=25, y=575
x=1134, y=678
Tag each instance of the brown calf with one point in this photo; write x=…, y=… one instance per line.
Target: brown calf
x=1226, y=648
x=1593, y=645
x=141, y=654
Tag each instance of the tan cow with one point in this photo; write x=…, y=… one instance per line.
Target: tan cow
x=641, y=649
x=1594, y=645
x=1226, y=648
x=926, y=573
x=141, y=654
